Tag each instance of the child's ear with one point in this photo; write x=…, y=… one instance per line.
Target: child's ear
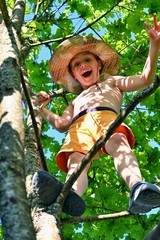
x=100, y=65
x=73, y=76
x=70, y=71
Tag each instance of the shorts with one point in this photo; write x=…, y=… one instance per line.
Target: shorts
x=84, y=133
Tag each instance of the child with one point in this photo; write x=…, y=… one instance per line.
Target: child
x=89, y=66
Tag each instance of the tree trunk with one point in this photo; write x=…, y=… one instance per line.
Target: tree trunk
x=45, y=223
x=14, y=208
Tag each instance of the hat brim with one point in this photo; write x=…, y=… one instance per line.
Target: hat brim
x=69, y=48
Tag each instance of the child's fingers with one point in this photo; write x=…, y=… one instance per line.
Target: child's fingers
x=156, y=24
x=43, y=97
x=43, y=103
x=155, y=20
x=147, y=26
x=43, y=94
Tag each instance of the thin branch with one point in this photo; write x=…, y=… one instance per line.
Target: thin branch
x=157, y=180
x=58, y=8
x=37, y=8
x=101, y=141
x=45, y=17
x=96, y=218
x=97, y=19
x=58, y=93
x=39, y=145
x=4, y=11
x=51, y=41
x=77, y=33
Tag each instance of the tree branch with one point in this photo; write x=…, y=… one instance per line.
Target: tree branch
x=60, y=92
x=101, y=141
x=97, y=19
x=18, y=14
x=36, y=131
x=4, y=10
x=77, y=33
x=38, y=5
x=96, y=218
x=154, y=234
x=45, y=17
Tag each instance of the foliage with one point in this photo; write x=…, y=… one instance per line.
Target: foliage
x=46, y=24
x=1, y=233
x=123, y=28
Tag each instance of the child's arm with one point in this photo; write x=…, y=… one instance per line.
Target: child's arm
x=133, y=83
x=61, y=123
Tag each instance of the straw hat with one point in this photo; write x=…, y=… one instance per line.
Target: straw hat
x=69, y=48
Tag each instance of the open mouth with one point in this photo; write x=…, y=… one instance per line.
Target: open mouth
x=87, y=73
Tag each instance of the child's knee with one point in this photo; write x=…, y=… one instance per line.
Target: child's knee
x=74, y=159
x=119, y=138
x=116, y=141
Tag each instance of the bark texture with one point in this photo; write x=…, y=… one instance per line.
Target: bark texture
x=45, y=223
x=14, y=208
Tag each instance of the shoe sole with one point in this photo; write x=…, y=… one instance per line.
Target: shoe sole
x=48, y=188
x=145, y=202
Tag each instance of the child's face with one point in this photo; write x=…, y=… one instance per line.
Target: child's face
x=85, y=68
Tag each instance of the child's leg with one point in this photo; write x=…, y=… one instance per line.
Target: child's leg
x=125, y=161
x=81, y=183
x=48, y=188
x=144, y=196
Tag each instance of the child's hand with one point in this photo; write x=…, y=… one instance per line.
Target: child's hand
x=43, y=98
x=154, y=34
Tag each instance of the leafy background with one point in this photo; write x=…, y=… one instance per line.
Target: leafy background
x=45, y=25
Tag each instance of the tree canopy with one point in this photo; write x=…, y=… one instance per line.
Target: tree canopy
x=47, y=23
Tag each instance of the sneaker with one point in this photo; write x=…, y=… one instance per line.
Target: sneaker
x=48, y=188
x=144, y=197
